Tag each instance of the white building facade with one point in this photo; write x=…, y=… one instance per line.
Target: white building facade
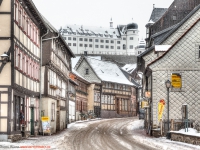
x=100, y=40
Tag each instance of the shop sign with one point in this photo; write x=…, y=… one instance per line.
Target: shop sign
x=161, y=106
x=144, y=104
x=46, y=125
x=176, y=80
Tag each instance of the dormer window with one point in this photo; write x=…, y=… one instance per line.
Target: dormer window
x=86, y=71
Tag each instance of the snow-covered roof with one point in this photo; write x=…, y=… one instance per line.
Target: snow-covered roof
x=75, y=60
x=129, y=67
x=159, y=48
x=90, y=31
x=108, y=71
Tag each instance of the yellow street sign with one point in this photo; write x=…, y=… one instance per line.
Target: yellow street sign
x=144, y=104
x=176, y=80
x=45, y=118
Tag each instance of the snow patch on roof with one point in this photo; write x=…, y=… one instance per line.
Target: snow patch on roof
x=108, y=71
x=91, y=31
x=129, y=67
x=159, y=48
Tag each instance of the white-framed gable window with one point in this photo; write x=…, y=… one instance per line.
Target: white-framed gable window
x=87, y=71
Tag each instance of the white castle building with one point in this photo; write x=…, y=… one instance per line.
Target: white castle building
x=140, y=48
x=100, y=40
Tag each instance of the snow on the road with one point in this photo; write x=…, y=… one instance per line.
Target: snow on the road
x=162, y=142
x=136, y=125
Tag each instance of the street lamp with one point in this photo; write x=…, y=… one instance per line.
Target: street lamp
x=168, y=85
x=4, y=57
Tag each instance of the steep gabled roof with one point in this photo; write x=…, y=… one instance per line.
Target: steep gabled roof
x=157, y=13
x=171, y=31
x=37, y=15
x=52, y=29
x=108, y=71
x=105, y=70
x=173, y=44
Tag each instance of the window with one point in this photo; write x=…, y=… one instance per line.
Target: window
x=81, y=45
x=199, y=51
x=80, y=39
x=63, y=89
x=124, y=38
x=118, y=47
x=69, y=44
x=174, y=17
x=124, y=46
x=85, y=45
x=124, y=104
x=74, y=39
x=112, y=47
x=131, y=46
x=85, y=39
x=96, y=40
x=52, y=111
x=16, y=11
x=20, y=60
x=90, y=40
x=102, y=41
x=90, y=45
x=107, y=46
x=131, y=38
x=107, y=41
x=102, y=46
x=69, y=38
x=74, y=44
x=111, y=41
x=118, y=42
x=64, y=38
x=96, y=46
x=87, y=71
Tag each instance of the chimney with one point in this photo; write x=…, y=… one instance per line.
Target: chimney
x=111, y=23
x=153, y=6
x=85, y=53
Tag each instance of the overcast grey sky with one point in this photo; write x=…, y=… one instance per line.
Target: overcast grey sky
x=99, y=12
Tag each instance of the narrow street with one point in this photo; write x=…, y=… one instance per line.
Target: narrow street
x=105, y=134
x=108, y=134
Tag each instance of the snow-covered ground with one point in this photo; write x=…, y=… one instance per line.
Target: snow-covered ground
x=135, y=129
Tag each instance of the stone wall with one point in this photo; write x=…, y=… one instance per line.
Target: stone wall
x=181, y=137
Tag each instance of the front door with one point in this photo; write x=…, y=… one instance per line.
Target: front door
x=97, y=111
x=32, y=120
x=58, y=121
x=118, y=105
x=17, y=113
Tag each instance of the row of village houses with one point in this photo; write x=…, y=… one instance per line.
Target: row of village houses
x=37, y=79
x=172, y=53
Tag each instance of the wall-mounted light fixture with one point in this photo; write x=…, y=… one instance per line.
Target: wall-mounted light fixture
x=4, y=60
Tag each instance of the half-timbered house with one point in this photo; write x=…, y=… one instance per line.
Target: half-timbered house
x=56, y=66
x=81, y=96
x=22, y=28
x=111, y=90
x=72, y=98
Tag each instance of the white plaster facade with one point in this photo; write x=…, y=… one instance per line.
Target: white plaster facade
x=100, y=40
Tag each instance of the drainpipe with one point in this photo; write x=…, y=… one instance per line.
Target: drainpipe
x=40, y=113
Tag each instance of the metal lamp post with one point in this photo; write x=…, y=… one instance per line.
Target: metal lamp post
x=168, y=85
